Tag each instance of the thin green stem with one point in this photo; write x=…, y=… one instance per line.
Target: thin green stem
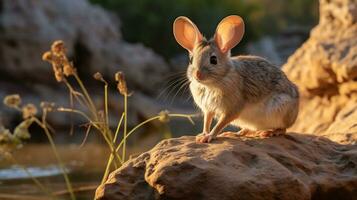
x=106, y=127
x=111, y=157
x=106, y=112
x=125, y=125
x=132, y=130
x=110, y=144
x=107, y=168
x=86, y=94
x=110, y=160
x=147, y=121
x=54, y=149
x=118, y=128
x=106, y=103
x=83, y=102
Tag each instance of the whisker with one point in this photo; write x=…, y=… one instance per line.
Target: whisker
x=175, y=87
x=182, y=86
x=189, y=96
x=175, y=74
x=173, y=82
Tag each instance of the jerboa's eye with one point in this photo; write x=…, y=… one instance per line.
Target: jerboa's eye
x=213, y=60
x=190, y=59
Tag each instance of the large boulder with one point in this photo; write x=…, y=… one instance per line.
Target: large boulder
x=91, y=34
x=293, y=166
x=325, y=70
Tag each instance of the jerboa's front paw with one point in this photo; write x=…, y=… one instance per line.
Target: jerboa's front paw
x=204, y=138
x=199, y=136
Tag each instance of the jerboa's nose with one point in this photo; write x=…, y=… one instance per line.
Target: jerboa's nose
x=198, y=75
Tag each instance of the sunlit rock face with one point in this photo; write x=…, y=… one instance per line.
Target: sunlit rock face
x=293, y=166
x=329, y=57
x=91, y=34
x=325, y=70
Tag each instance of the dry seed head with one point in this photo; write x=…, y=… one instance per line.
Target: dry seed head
x=57, y=47
x=58, y=72
x=98, y=76
x=48, y=106
x=120, y=78
x=29, y=110
x=21, y=131
x=59, y=76
x=57, y=68
x=12, y=101
x=5, y=135
x=164, y=116
x=47, y=56
x=68, y=69
x=60, y=64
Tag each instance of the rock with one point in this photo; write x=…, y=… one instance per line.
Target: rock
x=91, y=35
x=333, y=117
x=329, y=57
x=292, y=166
x=325, y=70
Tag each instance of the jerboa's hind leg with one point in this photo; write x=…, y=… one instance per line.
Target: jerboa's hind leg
x=242, y=132
x=281, y=111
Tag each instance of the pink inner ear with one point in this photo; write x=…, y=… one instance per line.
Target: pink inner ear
x=229, y=33
x=189, y=33
x=227, y=37
x=186, y=33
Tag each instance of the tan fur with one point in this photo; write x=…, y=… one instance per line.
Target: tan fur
x=250, y=87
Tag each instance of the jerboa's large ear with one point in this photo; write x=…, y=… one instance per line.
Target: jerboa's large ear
x=229, y=32
x=186, y=33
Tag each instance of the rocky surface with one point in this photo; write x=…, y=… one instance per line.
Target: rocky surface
x=333, y=117
x=91, y=34
x=325, y=70
x=293, y=166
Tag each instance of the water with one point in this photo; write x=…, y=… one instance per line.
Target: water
x=18, y=172
x=39, y=160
